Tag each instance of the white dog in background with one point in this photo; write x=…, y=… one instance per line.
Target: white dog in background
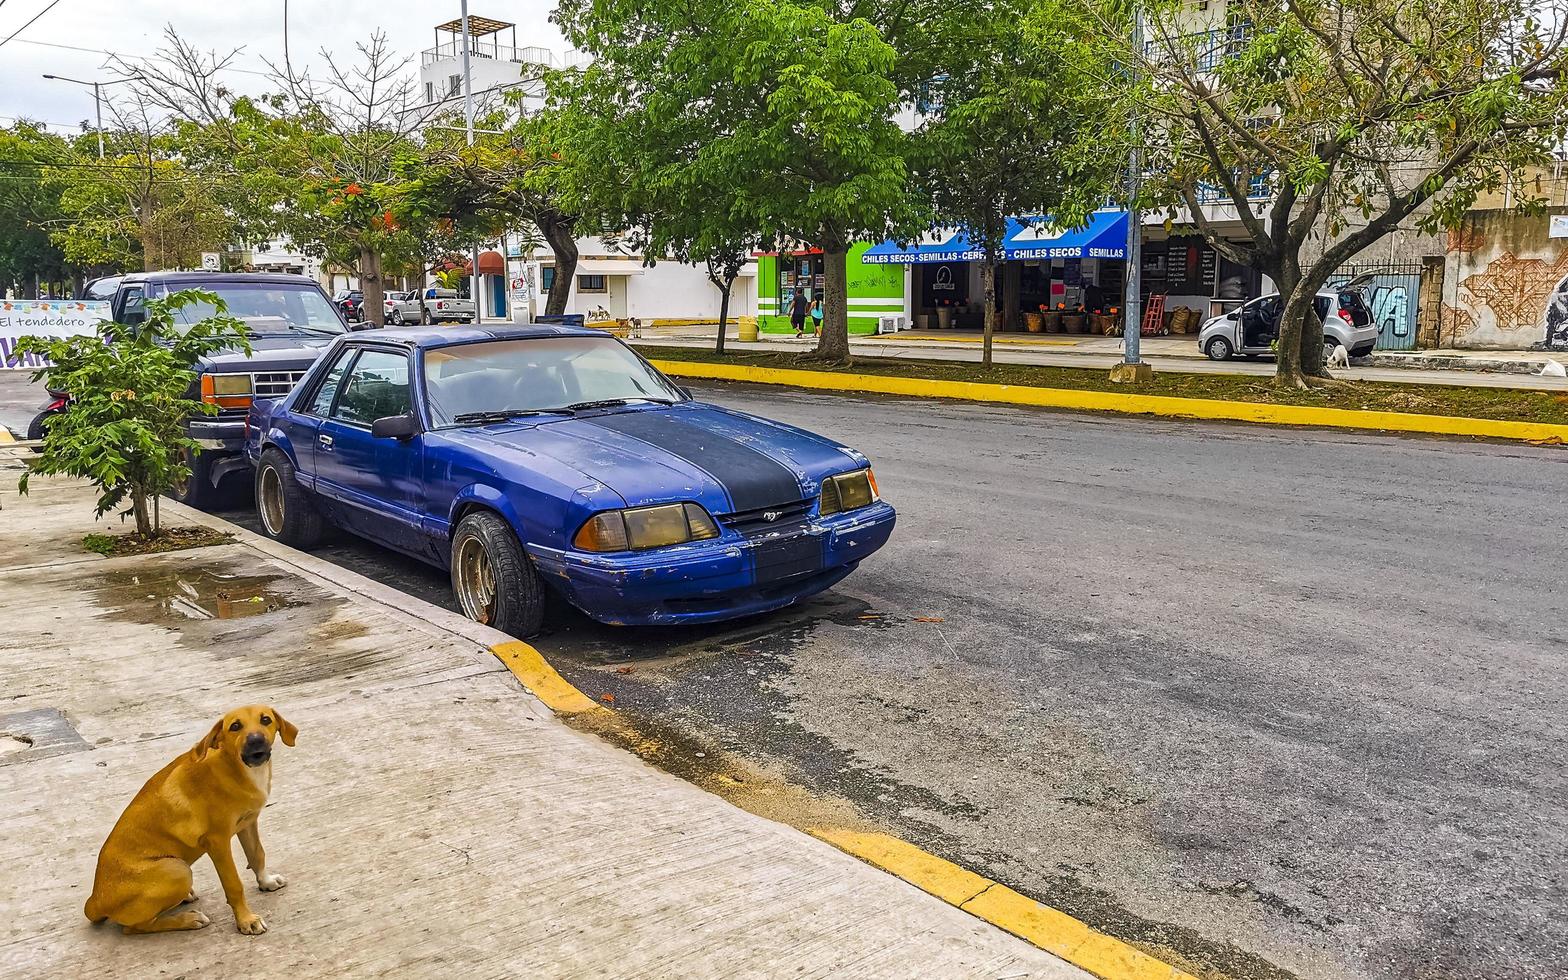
x=1338, y=357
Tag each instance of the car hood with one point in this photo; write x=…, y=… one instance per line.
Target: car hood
x=727, y=461
x=270, y=352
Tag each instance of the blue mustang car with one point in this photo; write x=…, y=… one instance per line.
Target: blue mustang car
x=524, y=456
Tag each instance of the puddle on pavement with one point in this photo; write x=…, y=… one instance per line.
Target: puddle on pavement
x=196, y=592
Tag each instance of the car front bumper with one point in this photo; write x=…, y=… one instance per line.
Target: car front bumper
x=217, y=435
x=726, y=578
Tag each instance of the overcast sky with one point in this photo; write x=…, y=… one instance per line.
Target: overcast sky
x=134, y=28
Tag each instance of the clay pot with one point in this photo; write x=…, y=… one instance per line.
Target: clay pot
x=1034, y=322
x=1073, y=323
x=1052, y=322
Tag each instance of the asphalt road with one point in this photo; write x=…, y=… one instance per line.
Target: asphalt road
x=1284, y=703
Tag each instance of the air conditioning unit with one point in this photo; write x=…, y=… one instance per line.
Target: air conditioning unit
x=890, y=323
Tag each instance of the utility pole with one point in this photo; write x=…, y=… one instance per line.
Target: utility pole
x=468, y=123
x=1133, y=368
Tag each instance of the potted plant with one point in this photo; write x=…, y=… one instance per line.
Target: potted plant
x=944, y=315
x=1034, y=321
x=1052, y=318
x=1073, y=321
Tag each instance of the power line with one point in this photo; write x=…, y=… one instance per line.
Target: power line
x=128, y=57
x=29, y=23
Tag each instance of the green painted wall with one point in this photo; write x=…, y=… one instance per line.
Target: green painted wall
x=873, y=290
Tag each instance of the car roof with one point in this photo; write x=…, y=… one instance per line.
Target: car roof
x=201, y=275
x=427, y=338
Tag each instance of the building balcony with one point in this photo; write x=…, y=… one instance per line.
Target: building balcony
x=1204, y=50
x=481, y=49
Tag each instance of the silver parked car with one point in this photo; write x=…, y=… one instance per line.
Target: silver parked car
x=1251, y=330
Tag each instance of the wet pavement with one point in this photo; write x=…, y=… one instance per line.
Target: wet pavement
x=1282, y=703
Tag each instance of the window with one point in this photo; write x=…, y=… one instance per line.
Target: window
x=134, y=309
x=430, y=91
x=321, y=405
x=376, y=388
x=591, y=284
x=538, y=374
x=454, y=84
x=546, y=278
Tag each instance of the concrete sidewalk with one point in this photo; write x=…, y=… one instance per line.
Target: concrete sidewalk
x=433, y=820
x=1488, y=369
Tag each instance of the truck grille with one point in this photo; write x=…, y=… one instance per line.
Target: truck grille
x=749, y=522
x=274, y=384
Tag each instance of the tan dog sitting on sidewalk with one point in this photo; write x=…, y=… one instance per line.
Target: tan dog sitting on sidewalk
x=193, y=806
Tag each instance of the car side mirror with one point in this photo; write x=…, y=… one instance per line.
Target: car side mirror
x=395, y=427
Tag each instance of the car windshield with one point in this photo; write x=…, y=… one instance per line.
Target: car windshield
x=269, y=308
x=487, y=381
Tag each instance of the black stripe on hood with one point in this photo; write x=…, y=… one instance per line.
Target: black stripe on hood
x=751, y=478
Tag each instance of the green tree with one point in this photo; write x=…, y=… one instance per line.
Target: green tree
x=789, y=106
x=641, y=171
x=30, y=208
x=1324, y=124
x=1019, y=125
x=130, y=396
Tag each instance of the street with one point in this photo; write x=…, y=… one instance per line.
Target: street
x=1285, y=702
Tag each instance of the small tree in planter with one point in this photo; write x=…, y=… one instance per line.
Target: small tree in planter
x=131, y=391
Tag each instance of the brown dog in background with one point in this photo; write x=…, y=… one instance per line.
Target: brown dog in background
x=193, y=806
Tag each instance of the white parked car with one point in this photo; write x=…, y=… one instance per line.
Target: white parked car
x=1251, y=329
x=441, y=305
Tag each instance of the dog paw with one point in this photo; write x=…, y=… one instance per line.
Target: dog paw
x=190, y=897
x=270, y=883
x=196, y=919
x=250, y=926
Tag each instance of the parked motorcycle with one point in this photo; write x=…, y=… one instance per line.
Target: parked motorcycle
x=57, y=403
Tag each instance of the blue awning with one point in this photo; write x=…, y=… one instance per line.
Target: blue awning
x=941, y=246
x=1104, y=237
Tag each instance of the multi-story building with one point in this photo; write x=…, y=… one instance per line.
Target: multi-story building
x=496, y=67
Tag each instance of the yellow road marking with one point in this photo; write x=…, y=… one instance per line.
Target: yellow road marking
x=529, y=667
x=1052, y=930
x=1106, y=401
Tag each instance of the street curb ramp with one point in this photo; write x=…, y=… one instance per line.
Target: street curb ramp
x=1048, y=928
x=1106, y=401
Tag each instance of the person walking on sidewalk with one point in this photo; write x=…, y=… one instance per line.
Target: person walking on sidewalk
x=797, y=313
x=816, y=317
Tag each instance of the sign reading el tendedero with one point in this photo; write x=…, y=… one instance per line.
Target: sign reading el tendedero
x=44, y=318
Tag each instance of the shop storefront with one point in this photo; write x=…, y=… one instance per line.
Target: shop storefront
x=874, y=291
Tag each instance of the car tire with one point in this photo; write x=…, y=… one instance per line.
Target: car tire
x=1218, y=349
x=397, y=318
x=196, y=490
x=492, y=577
x=424, y=317
x=286, y=511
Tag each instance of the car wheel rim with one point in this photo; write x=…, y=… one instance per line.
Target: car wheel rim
x=475, y=581
x=271, y=501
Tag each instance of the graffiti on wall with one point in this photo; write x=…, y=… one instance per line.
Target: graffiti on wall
x=1521, y=294
x=1557, y=315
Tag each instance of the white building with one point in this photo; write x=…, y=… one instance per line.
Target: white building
x=496, y=67
x=616, y=282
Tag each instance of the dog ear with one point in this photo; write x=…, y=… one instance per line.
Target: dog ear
x=286, y=730
x=210, y=740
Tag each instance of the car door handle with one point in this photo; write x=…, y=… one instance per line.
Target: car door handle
x=324, y=441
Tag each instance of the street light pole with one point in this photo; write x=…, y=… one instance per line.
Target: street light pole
x=97, y=88
x=468, y=123
x=1132, y=367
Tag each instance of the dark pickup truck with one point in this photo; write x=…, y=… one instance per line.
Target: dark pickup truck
x=290, y=321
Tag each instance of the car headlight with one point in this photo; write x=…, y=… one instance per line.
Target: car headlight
x=637, y=528
x=848, y=491
x=226, y=390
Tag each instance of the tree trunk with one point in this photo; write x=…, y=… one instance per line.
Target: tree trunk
x=988, y=290
x=559, y=234
x=724, y=312
x=370, y=286
x=144, y=525
x=833, y=345
x=1289, y=369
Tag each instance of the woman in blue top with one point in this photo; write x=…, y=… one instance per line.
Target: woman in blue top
x=816, y=316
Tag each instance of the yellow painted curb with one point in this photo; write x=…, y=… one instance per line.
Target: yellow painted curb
x=1054, y=931
x=1106, y=401
x=1031, y=341
x=529, y=667
x=6, y=435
